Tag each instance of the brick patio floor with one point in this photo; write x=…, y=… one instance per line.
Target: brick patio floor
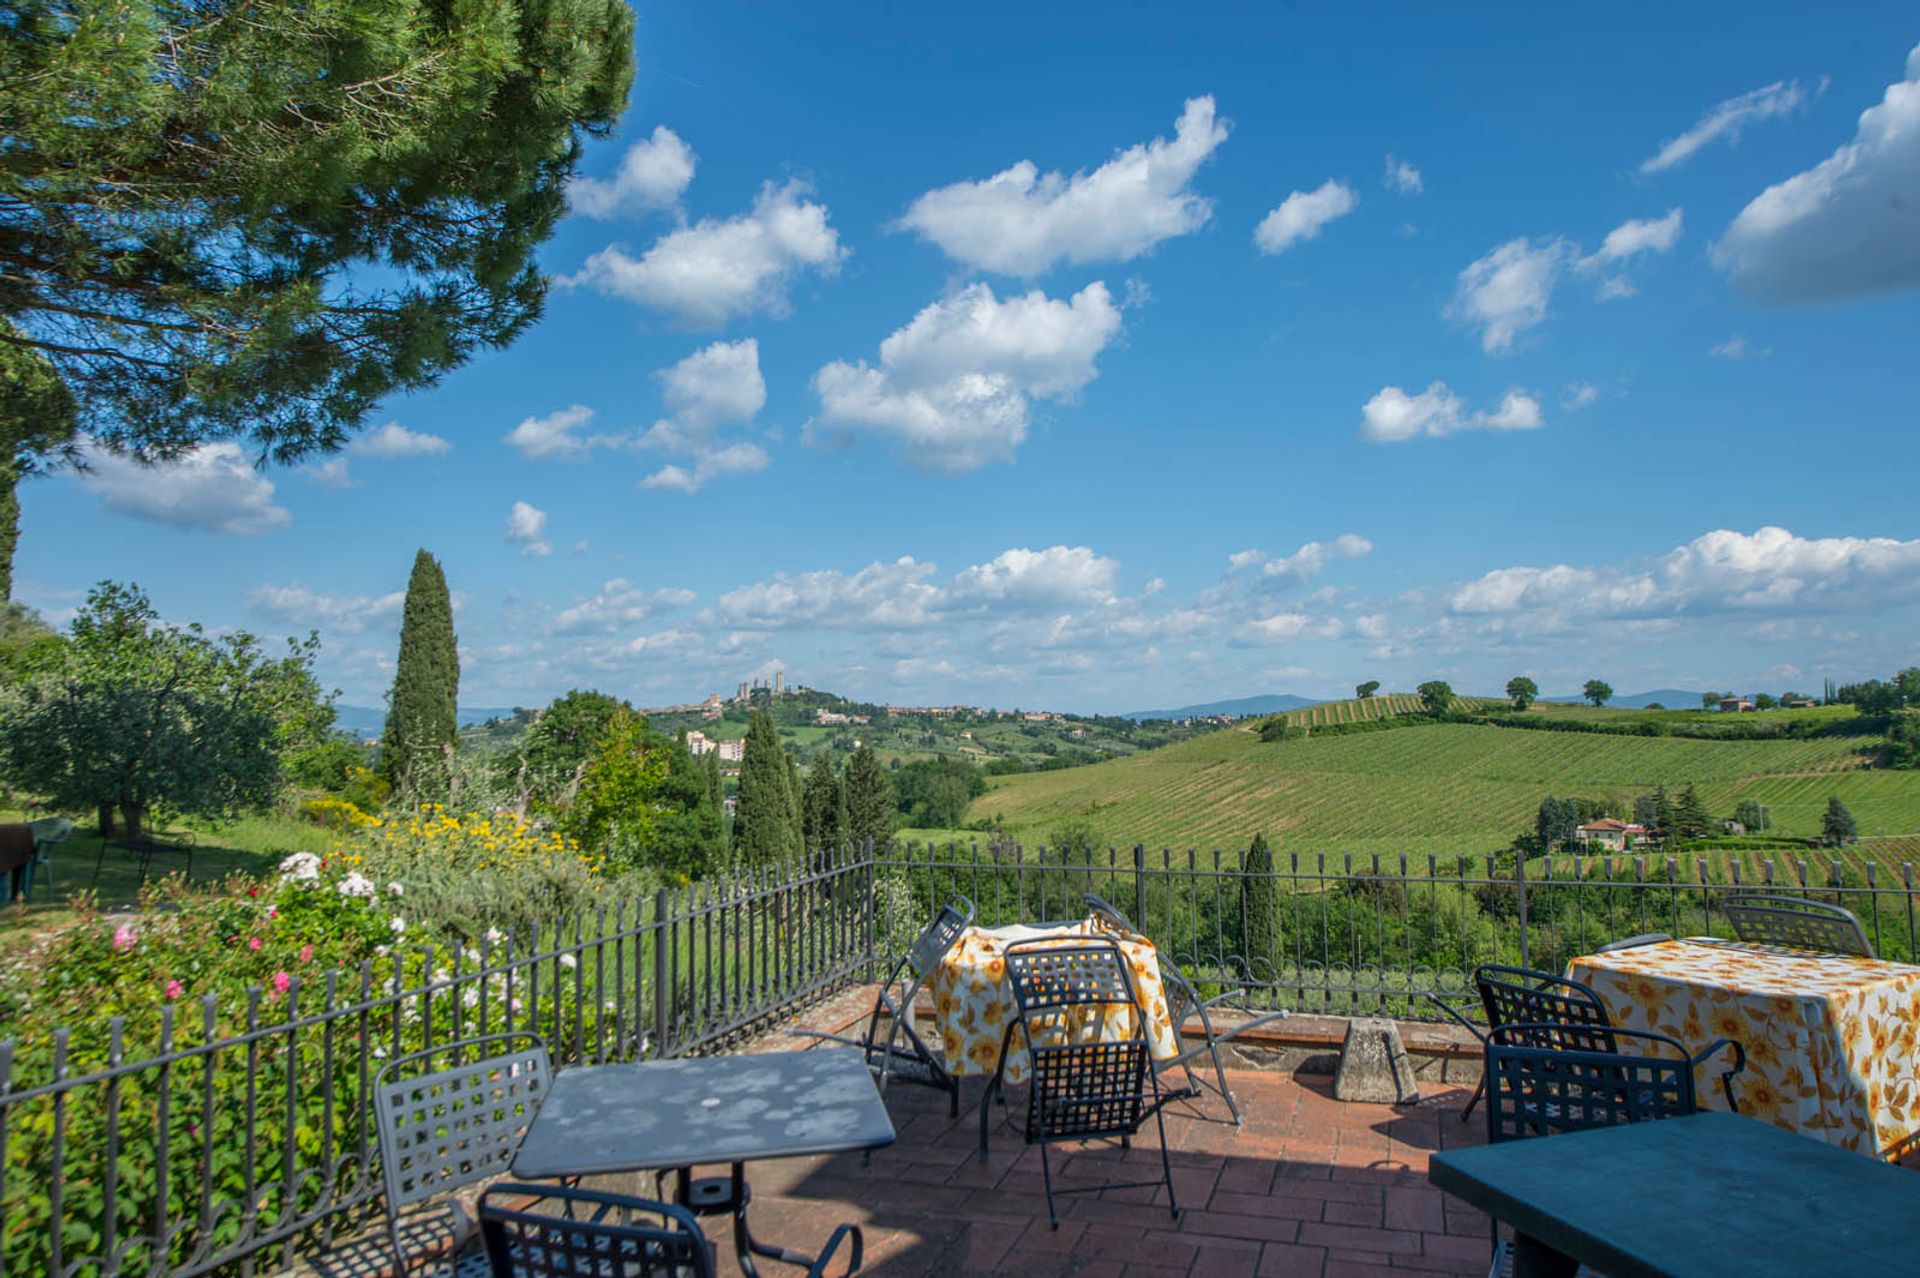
x=1309, y=1186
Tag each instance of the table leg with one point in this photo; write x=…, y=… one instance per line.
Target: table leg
x=1534, y=1259
x=745, y=1245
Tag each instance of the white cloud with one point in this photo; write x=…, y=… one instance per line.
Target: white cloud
x=717, y=270
x=1058, y=576
x=1769, y=570
x=712, y=388
x=1307, y=562
x=653, y=174
x=1849, y=226
x=1301, y=215
x=1403, y=177
x=618, y=604
x=211, y=486
x=1281, y=626
x=555, y=436
x=1022, y=222
x=1613, y=288
x=1634, y=237
x=953, y=387
x=1371, y=625
x=1735, y=347
x=526, y=527
x=394, y=441
x=1726, y=120
x=349, y=614
x=1393, y=415
x=1506, y=292
x=881, y=596
x=332, y=473
x=1579, y=395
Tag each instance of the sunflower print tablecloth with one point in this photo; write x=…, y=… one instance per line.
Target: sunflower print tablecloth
x=973, y=1002
x=1832, y=1042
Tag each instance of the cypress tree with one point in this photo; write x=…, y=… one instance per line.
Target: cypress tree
x=766, y=828
x=1690, y=816
x=870, y=802
x=821, y=807
x=1260, y=908
x=417, y=747
x=1838, y=826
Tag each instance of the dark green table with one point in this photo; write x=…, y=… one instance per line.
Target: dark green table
x=1713, y=1193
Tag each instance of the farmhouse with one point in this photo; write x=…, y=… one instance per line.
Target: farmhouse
x=1734, y=705
x=1611, y=834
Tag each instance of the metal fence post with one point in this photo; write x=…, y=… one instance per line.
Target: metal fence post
x=662, y=991
x=1520, y=897
x=1140, y=886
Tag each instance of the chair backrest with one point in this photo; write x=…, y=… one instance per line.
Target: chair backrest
x=1537, y=1090
x=460, y=1124
x=1563, y=1011
x=1107, y=913
x=1789, y=920
x=955, y=917
x=1633, y=942
x=1048, y=976
x=620, y=1237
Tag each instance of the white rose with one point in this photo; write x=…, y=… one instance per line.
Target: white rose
x=398, y=924
x=495, y=936
x=569, y=961
x=356, y=884
x=301, y=867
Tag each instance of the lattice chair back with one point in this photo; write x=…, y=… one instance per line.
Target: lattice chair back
x=1104, y=911
x=1560, y=1014
x=1048, y=976
x=1536, y=1090
x=613, y=1237
x=442, y=1130
x=1806, y=925
x=939, y=936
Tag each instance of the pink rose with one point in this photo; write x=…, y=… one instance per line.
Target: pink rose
x=175, y=989
x=123, y=938
x=253, y=942
x=273, y=912
x=306, y=953
x=280, y=982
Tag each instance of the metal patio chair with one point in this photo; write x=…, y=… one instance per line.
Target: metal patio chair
x=1522, y=996
x=1538, y=1090
x=910, y=972
x=1633, y=942
x=1789, y=920
x=449, y=1128
x=538, y=1231
x=1080, y=1088
x=1184, y=1004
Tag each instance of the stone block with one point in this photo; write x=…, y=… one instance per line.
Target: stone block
x=1374, y=1066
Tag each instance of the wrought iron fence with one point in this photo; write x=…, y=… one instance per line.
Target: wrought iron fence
x=207, y=1152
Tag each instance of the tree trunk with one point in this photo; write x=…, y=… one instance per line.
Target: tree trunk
x=134, y=816
x=9, y=524
x=106, y=820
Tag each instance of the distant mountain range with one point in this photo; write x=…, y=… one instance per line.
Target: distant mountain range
x=367, y=721
x=1271, y=703
x=1670, y=698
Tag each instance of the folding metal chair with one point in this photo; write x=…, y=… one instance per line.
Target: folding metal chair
x=1522, y=996
x=444, y=1130
x=1184, y=1004
x=1082, y=1087
x=910, y=973
x=1789, y=920
x=538, y=1231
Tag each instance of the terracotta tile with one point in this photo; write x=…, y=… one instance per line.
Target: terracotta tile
x=1285, y=1260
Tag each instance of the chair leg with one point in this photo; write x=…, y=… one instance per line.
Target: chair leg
x=1166, y=1163
x=1220, y=1072
x=1046, y=1177
x=1479, y=1090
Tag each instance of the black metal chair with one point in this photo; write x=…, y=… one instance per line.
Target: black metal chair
x=1081, y=1087
x=1537, y=1089
x=1789, y=920
x=1522, y=996
x=1184, y=1004
x=443, y=1130
x=538, y=1231
x=910, y=972
x=1633, y=942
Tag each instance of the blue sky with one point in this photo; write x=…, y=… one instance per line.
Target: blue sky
x=1098, y=359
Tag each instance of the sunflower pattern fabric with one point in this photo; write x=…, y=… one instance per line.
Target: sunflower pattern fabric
x=1832, y=1041
x=973, y=1002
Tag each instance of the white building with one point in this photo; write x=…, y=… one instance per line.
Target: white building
x=733, y=751
x=699, y=743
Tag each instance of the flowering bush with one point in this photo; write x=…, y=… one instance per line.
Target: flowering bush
x=336, y=813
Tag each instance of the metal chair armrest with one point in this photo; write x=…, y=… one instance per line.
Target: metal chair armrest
x=1726, y=1076
x=841, y=1235
x=1439, y=1001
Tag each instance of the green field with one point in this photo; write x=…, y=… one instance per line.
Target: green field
x=1444, y=788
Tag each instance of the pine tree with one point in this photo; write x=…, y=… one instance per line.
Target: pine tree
x=422, y=720
x=821, y=807
x=765, y=825
x=1690, y=816
x=1260, y=908
x=1838, y=825
x=870, y=802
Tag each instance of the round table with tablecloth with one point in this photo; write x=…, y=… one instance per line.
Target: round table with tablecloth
x=973, y=1001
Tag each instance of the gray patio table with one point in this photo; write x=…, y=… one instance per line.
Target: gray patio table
x=673, y=1114
x=1712, y=1193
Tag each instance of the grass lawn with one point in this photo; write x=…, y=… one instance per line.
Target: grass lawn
x=251, y=845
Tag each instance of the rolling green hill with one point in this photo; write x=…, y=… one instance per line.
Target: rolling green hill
x=1435, y=787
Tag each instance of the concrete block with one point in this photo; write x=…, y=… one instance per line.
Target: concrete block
x=1374, y=1066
